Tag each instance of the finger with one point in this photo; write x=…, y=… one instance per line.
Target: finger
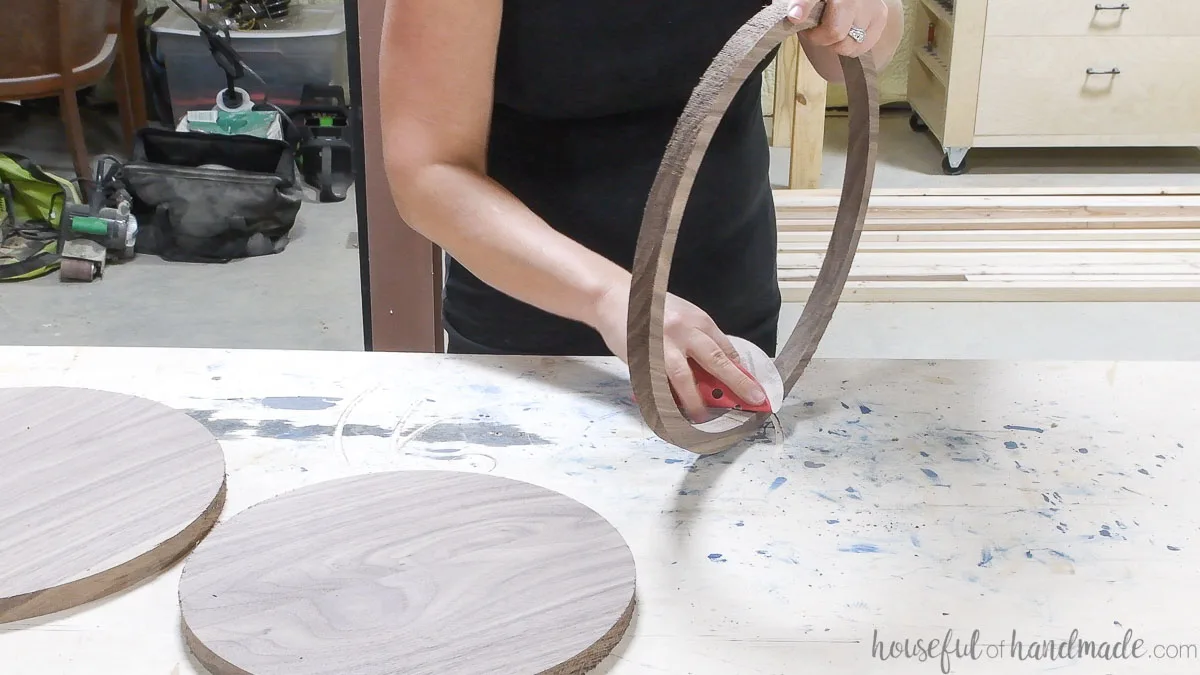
x=851, y=48
x=724, y=343
x=683, y=382
x=835, y=24
x=799, y=10
x=713, y=358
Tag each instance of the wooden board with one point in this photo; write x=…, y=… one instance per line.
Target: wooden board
x=418, y=572
x=98, y=491
x=799, y=205
x=1014, y=245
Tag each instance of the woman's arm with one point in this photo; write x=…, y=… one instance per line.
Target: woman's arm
x=437, y=62
x=437, y=77
x=883, y=20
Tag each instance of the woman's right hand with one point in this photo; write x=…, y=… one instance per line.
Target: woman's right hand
x=688, y=334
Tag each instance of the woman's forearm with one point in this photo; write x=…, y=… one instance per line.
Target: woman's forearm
x=496, y=237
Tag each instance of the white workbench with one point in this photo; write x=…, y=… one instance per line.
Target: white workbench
x=909, y=497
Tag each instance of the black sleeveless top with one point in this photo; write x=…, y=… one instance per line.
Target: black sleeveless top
x=586, y=98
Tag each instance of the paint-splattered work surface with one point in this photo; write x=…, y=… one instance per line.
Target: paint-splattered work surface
x=907, y=501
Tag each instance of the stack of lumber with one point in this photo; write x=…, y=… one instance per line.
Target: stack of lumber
x=1020, y=245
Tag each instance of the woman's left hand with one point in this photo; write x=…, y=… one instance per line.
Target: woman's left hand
x=842, y=22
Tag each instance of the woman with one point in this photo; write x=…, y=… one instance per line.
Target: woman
x=523, y=136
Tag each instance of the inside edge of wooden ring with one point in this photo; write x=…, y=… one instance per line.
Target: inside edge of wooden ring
x=670, y=423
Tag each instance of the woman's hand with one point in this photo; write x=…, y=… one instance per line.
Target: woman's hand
x=688, y=333
x=839, y=19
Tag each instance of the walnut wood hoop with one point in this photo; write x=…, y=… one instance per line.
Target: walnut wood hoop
x=664, y=212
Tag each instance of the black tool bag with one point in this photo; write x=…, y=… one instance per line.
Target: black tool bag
x=211, y=198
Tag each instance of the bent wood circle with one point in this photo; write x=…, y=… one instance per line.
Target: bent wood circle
x=664, y=213
x=98, y=491
x=415, y=572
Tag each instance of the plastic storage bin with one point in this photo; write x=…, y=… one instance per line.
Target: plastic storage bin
x=309, y=49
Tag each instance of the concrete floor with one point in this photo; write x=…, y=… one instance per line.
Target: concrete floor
x=308, y=296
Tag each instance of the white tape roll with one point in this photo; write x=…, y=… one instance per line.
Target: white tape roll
x=242, y=93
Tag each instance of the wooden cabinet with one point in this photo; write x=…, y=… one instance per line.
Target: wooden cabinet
x=1056, y=73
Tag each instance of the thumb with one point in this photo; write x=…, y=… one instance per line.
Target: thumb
x=798, y=10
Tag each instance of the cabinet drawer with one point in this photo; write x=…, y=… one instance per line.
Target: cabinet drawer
x=1081, y=17
x=1040, y=86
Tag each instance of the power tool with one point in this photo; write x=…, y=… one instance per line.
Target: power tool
x=92, y=234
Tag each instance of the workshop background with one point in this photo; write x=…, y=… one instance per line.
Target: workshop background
x=303, y=290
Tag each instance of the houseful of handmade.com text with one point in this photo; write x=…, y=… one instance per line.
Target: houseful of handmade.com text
x=946, y=649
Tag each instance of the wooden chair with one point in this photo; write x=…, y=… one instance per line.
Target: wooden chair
x=61, y=46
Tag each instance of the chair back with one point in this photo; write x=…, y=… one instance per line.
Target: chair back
x=53, y=37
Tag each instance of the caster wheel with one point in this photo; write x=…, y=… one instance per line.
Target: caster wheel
x=953, y=170
x=76, y=270
x=916, y=123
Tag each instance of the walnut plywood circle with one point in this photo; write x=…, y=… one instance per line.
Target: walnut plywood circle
x=664, y=212
x=414, y=572
x=98, y=491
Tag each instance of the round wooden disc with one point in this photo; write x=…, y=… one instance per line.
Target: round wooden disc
x=98, y=491
x=409, y=572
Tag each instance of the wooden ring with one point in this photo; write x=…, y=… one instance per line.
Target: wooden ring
x=668, y=198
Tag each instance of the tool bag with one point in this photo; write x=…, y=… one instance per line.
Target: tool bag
x=210, y=197
x=32, y=204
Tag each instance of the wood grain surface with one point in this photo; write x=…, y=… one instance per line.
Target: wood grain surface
x=668, y=199
x=414, y=572
x=98, y=491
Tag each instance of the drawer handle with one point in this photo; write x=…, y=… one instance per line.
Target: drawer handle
x=1111, y=71
x=1118, y=8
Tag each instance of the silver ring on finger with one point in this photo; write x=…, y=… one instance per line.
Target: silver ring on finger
x=857, y=34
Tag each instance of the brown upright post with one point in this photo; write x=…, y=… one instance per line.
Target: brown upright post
x=401, y=270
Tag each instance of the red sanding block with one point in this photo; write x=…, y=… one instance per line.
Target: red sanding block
x=716, y=395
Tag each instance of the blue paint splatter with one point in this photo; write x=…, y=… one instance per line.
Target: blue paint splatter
x=777, y=483
x=1014, y=427
x=916, y=541
x=1144, y=472
x=684, y=493
x=924, y=454
x=833, y=521
x=844, y=405
x=985, y=557
x=486, y=388
x=930, y=473
x=716, y=557
x=673, y=461
x=607, y=467
x=809, y=404
x=740, y=523
x=813, y=465
x=1029, y=554
x=826, y=497
x=864, y=410
x=1083, y=451
x=1172, y=548
x=299, y=402
x=839, y=432
x=763, y=553
x=1011, y=445
x=853, y=493
x=1062, y=555
x=1104, y=531
x=860, y=548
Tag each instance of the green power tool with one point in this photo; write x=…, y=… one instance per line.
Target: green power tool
x=91, y=236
